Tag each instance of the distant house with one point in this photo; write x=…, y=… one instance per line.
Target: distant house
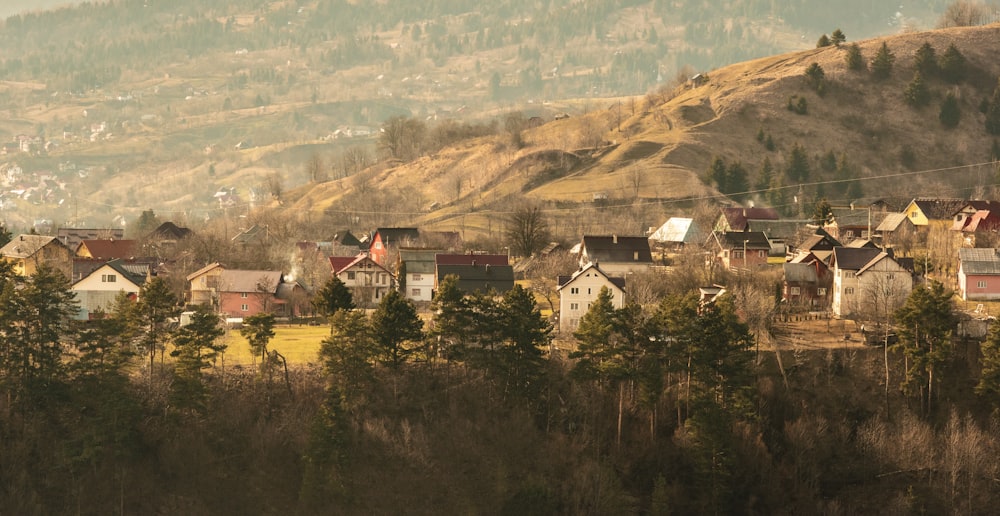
x=895, y=229
x=846, y=224
x=867, y=280
x=979, y=274
x=781, y=234
x=416, y=274
x=807, y=283
x=577, y=292
x=71, y=237
x=742, y=249
x=386, y=239
x=367, y=280
x=820, y=240
x=677, y=232
x=476, y=271
x=238, y=293
x=106, y=249
x=923, y=212
x=616, y=255
x=741, y=219
x=977, y=219
x=26, y=253
x=98, y=290
x=168, y=232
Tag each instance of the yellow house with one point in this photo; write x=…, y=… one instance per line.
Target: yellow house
x=924, y=212
x=29, y=252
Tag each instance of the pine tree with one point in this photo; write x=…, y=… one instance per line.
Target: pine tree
x=925, y=60
x=738, y=183
x=823, y=41
x=926, y=322
x=332, y=297
x=717, y=173
x=258, y=329
x=823, y=213
x=448, y=334
x=853, y=58
x=526, y=335
x=347, y=354
x=916, y=94
x=797, y=167
x=195, y=347
x=396, y=327
x=765, y=176
x=882, y=62
x=815, y=75
x=156, y=305
x=952, y=65
x=950, y=114
x=989, y=378
x=837, y=37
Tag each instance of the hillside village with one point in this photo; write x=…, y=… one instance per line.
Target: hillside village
x=848, y=262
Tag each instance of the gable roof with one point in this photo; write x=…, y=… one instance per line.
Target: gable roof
x=418, y=260
x=339, y=263
x=590, y=267
x=979, y=261
x=939, y=209
x=361, y=258
x=203, y=270
x=25, y=246
x=134, y=272
x=820, y=242
x=855, y=258
x=850, y=217
x=617, y=249
x=471, y=259
x=737, y=218
x=169, y=231
x=892, y=221
x=108, y=249
x=472, y=278
x=393, y=236
x=249, y=281
x=71, y=237
x=736, y=239
x=346, y=238
x=800, y=272
x=676, y=230
x=981, y=220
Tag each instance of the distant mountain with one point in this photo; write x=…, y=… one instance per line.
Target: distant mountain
x=9, y=7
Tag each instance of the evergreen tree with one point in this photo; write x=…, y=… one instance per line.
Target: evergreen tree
x=737, y=181
x=156, y=305
x=527, y=334
x=925, y=60
x=5, y=236
x=332, y=297
x=882, y=62
x=926, y=322
x=837, y=37
x=104, y=344
x=989, y=378
x=195, y=347
x=717, y=173
x=815, y=75
x=769, y=143
x=952, y=65
x=258, y=329
x=853, y=58
x=823, y=41
x=797, y=167
x=823, y=213
x=917, y=94
x=950, y=114
x=348, y=352
x=395, y=324
x=765, y=176
x=452, y=319
x=993, y=112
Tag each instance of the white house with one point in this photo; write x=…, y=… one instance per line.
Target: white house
x=417, y=273
x=868, y=281
x=368, y=281
x=98, y=290
x=578, y=291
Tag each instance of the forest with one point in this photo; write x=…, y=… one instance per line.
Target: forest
x=672, y=407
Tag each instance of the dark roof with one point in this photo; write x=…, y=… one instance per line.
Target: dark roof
x=482, y=278
x=817, y=242
x=890, y=204
x=418, y=261
x=851, y=217
x=616, y=281
x=979, y=261
x=978, y=205
x=800, y=273
x=854, y=258
x=471, y=259
x=394, y=236
x=169, y=231
x=135, y=272
x=251, y=234
x=617, y=249
x=737, y=218
x=939, y=209
x=346, y=238
x=734, y=239
x=778, y=229
x=71, y=237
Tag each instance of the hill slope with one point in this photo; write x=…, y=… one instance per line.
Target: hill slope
x=649, y=155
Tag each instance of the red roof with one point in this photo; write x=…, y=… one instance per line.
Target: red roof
x=108, y=249
x=339, y=263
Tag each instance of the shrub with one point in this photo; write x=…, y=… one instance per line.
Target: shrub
x=950, y=113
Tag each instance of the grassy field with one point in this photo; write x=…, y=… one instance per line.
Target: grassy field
x=298, y=344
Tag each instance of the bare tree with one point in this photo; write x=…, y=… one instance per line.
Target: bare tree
x=963, y=13
x=527, y=231
x=315, y=169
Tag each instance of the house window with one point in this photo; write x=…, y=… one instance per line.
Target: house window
x=574, y=306
x=980, y=284
x=588, y=291
x=794, y=291
x=415, y=292
x=760, y=254
x=737, y=254
x=850, y=274
x=574, y=290
x=849, y=233
x=245, y=307
x=378, y=245
x=821, y=291
x=351, y=275
x=635, y=256
x=864, y=234
x=243, y=295
x=417, y=277
x=913, y=214
x=889, y=277
x=849, y=291
x=109, y=278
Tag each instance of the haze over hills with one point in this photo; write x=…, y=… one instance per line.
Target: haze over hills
x=130, y=105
